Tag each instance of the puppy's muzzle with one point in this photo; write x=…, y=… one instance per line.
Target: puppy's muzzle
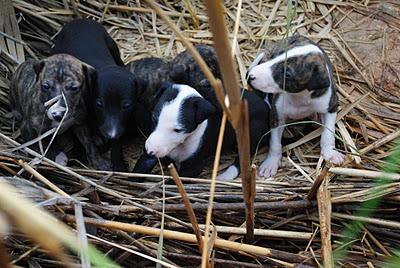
x=56, y=112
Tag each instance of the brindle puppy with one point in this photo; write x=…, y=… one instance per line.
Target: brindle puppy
x=57, y=79
x=185, y=70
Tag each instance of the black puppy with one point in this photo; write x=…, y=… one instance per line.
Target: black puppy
x=186, y=127
x=113, y=99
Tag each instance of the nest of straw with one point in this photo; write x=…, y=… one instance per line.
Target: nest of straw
x=293, y=222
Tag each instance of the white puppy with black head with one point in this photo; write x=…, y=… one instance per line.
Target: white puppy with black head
x=303, y=88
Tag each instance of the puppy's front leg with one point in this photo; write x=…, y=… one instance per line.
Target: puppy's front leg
x=145, y=164
x=117, y=158
x=93, y=155
x=270, y=166
x=328, y=151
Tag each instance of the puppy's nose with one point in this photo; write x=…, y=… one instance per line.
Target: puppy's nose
x=151, y=154
x=112, y=134
x=57, y=116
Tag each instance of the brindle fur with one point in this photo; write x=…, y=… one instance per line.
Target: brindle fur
x=27, y=98
x=154, y=71
x=185, y=70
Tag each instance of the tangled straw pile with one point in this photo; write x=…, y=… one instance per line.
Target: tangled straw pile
x=361, y=38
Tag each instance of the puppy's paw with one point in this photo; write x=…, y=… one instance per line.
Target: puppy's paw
x=61, y=159
x=121, y=167
x=228, y=174
x=269, y=167
x=332, y=156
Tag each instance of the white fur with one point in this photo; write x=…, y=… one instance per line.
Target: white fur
x=263, y=79
x=164, y=141
x=270, y=165
x=62, y=159
x=298, y=106
x=228, y=174
x=55, y=109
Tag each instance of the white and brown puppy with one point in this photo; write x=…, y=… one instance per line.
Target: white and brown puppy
x=303, y=88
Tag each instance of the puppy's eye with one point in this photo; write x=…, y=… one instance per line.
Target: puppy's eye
x=46, y=86
x=126, y=105
x=178, y=130
x=99, y=103
x=288, y=74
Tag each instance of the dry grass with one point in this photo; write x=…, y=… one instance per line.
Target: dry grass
x=359, y=37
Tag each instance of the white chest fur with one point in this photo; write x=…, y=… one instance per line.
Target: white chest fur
x=300, y=105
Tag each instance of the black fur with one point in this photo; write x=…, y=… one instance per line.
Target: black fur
x=114, y=96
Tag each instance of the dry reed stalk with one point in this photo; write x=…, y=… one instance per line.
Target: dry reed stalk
x=41, y=178
x=317, y=183
x=225, y=61
x=248, y=181
x=35, y=223
x=378, y=143
x=380, y=222
x=206, y=248
x=278, y=205
x=325, y=212
x=347, y=137
x=364, y=173
x=263, y=232
x=190, y=238
x=188, y=205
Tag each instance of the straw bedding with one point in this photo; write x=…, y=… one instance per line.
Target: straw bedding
x=360, y=37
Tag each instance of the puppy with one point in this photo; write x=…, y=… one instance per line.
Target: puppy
x=185, y=70
x=56, y=79
x=154, y=72
x=304, y=88
x=186, y=127
x=114, y=98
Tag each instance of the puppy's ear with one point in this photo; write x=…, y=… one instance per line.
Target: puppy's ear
x=38, y=66
x=319, y=78
x=178, y=74
x=202, y=109
x=140, y=86
x=90, y=75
